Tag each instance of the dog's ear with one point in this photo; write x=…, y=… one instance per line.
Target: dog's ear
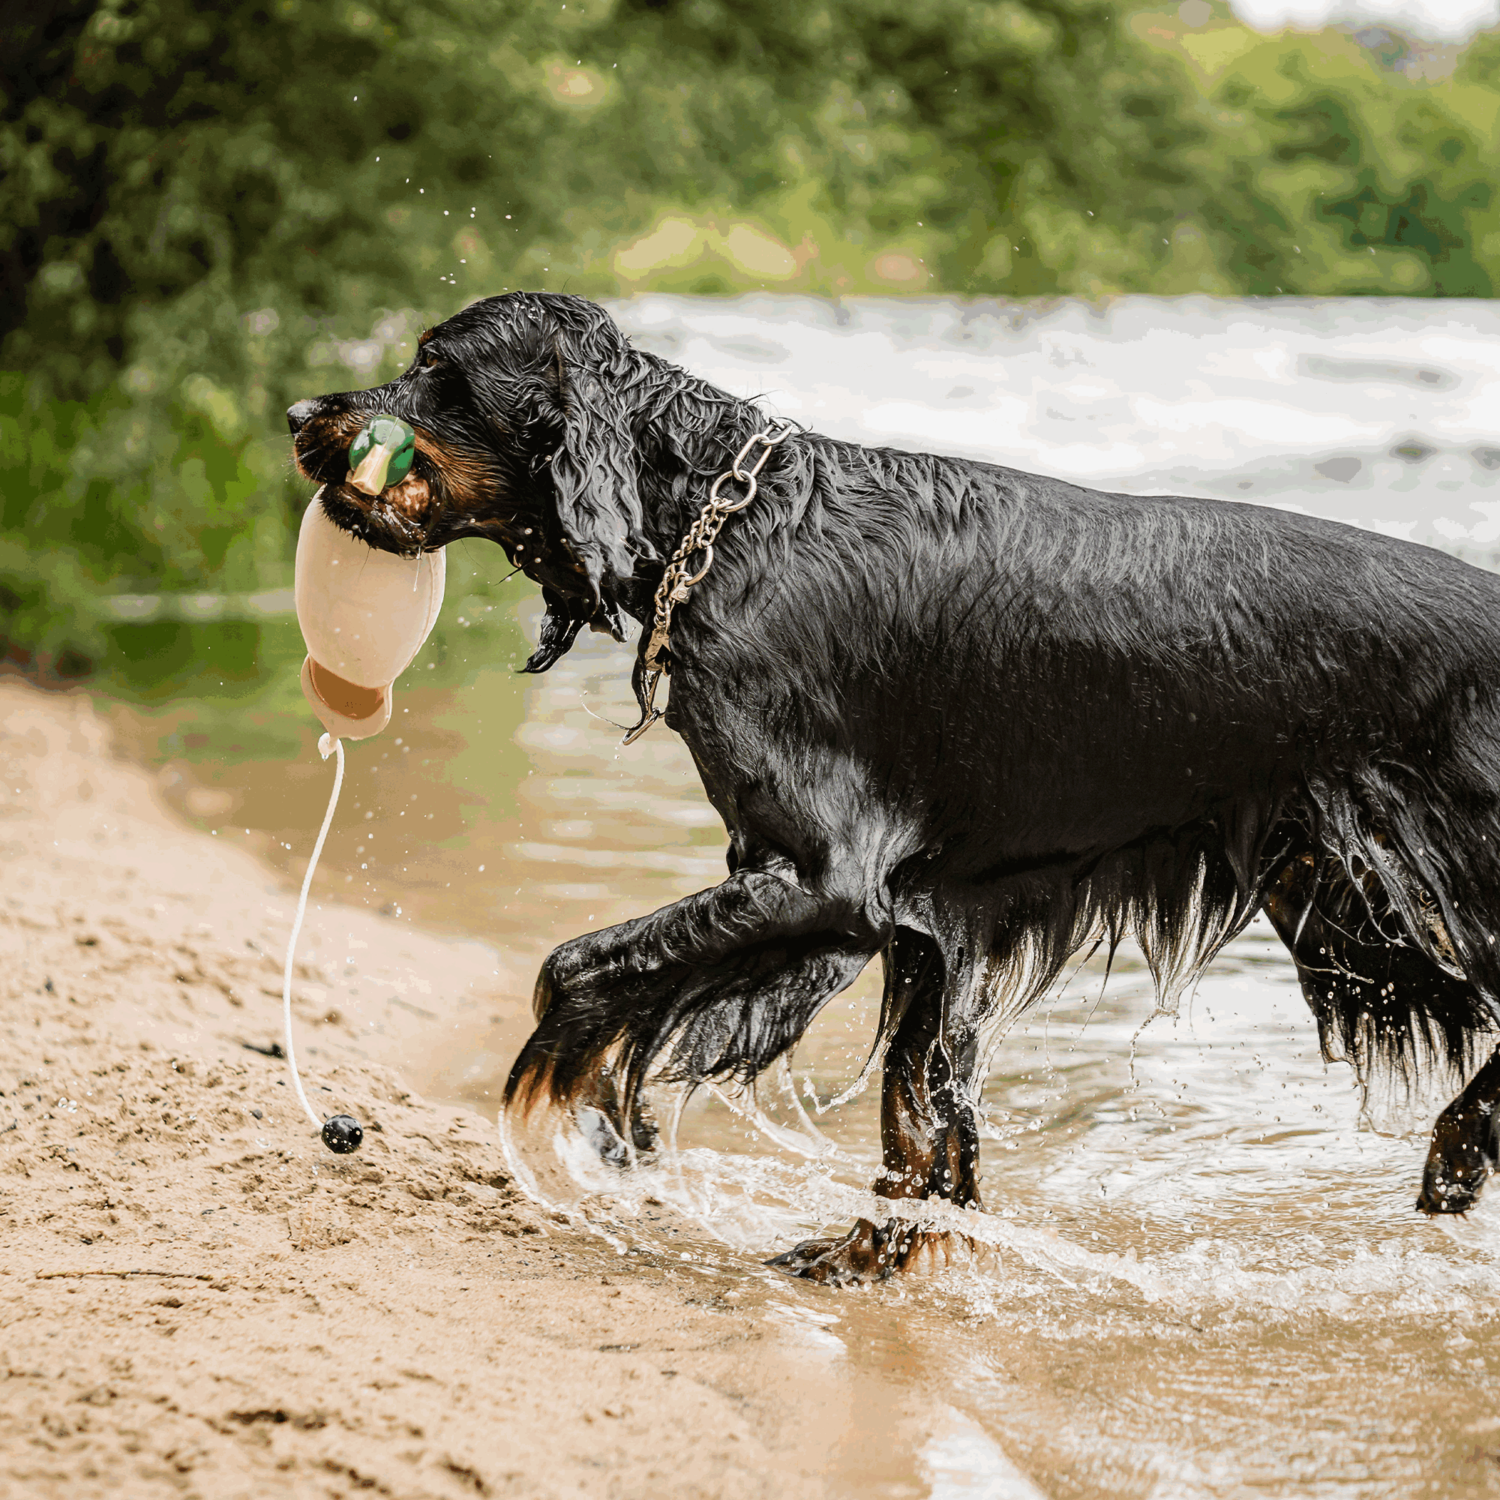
x=560, y=626
x=594, y=469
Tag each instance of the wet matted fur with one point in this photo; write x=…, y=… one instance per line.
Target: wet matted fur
x=971, y=720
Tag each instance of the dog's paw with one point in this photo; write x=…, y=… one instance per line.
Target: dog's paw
x=1446, y=1193
x=600, y=1117
x=603, y=1139
x=1462, y=1155
x=844, y=1262
x=871, y=1252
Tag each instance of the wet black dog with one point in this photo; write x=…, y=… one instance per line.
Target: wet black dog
x=971, y=720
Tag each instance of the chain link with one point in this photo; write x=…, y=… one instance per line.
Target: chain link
x=677, y=581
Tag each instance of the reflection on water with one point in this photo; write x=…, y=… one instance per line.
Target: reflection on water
x=1197, y=1273
x=965, y=1462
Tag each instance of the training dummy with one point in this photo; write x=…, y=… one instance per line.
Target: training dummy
x=364, y=616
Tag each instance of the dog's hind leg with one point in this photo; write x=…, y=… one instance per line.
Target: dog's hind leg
x=928, y=1126
x=1465, y=1145
x=1381, y=1001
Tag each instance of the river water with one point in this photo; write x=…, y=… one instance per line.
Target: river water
x=1200, y=1271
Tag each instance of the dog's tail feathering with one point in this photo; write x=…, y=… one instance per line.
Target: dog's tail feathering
x=1396, y=939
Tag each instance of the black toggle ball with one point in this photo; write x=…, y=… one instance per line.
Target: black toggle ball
x=342, y=1134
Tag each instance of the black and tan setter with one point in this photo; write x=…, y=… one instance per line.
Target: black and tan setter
x=972, y=721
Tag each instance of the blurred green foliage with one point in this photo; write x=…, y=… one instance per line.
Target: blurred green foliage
x=208, y=210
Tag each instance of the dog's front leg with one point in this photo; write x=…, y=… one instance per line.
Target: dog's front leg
x=928, y=1126
x=716, y=985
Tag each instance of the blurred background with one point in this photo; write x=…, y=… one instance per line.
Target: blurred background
x=1078, y=236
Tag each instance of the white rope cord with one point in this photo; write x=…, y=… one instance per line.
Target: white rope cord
x=337, y=749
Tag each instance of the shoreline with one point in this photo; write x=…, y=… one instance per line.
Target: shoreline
x=196, y=1299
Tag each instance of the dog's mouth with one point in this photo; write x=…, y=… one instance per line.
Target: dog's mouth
x=418, y=513
x=393, y=519
x=399, y=519
x=449, y=493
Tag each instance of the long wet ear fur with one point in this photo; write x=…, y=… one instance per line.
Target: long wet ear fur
x=594, y=471
x=560, y=626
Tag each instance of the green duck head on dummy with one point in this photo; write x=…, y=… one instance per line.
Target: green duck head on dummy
x=381, y=455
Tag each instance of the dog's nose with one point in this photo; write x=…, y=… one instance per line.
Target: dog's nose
x=297, y=416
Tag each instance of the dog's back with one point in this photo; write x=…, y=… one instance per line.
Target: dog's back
x=1053, y=666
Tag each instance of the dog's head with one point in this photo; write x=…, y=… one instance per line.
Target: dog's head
x=525, y=435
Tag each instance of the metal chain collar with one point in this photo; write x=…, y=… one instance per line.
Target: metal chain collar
x=677, y=581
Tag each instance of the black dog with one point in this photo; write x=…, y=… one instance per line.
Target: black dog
x=971, y=720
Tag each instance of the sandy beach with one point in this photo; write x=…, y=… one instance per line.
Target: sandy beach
x=197, y=1299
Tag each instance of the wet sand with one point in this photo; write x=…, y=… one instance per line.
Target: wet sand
x=196, y=1299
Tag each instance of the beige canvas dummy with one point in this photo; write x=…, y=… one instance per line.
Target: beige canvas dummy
x=364, y=615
